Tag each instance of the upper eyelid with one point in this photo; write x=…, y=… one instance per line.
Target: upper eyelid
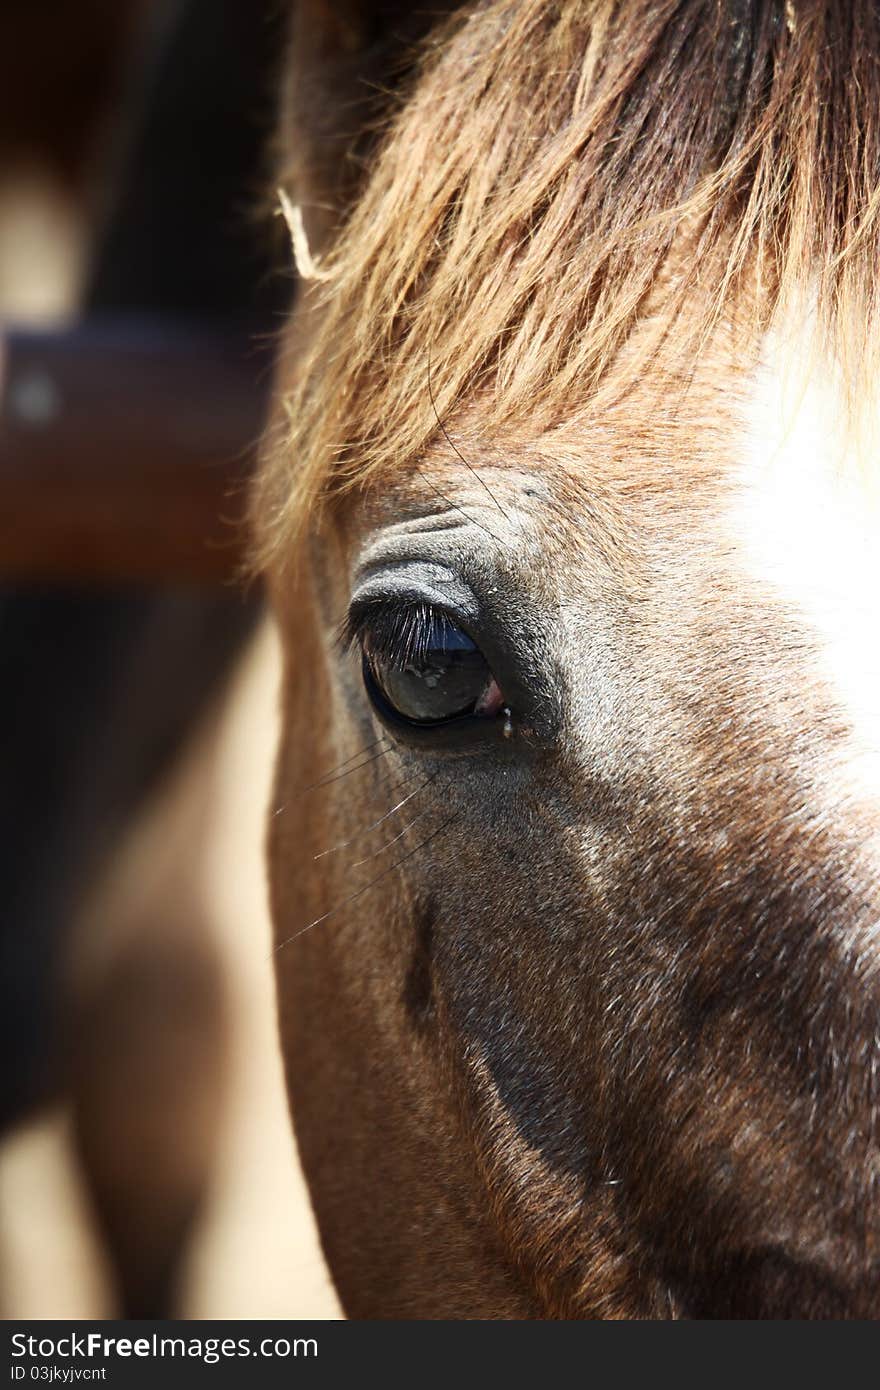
x=416, y=581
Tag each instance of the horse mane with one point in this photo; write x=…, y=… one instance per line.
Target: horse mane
x=552, y=165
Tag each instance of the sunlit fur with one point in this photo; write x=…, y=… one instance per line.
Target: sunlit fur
x=644, y=169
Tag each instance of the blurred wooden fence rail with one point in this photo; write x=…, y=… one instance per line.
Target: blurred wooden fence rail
x=125, y=447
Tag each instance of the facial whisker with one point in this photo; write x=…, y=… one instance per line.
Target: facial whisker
x=326, y=781
x=366, y=830
x=331, y=770
x=351, y=757
x=385, y=784
x=359, y=863
x=456, y=450
x=367, y=886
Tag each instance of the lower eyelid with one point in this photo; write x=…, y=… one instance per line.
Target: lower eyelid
x=491, y=702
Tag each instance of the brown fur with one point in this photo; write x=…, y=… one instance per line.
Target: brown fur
x=589, y=1028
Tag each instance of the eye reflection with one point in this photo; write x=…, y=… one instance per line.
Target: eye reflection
x=426, y=668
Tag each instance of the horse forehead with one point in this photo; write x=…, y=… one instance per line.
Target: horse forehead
x=805, y=520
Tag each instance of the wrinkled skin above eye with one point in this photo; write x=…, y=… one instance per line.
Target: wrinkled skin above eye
x=446, y=677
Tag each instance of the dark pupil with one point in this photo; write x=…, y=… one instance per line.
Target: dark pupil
x=445, y=678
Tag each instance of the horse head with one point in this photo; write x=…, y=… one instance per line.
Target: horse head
x=575, y=852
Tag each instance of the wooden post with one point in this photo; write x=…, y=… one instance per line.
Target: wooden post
x=125, y=448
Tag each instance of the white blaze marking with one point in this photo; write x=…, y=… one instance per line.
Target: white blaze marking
x=809, y=521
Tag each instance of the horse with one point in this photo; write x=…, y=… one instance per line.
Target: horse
x=568, y=513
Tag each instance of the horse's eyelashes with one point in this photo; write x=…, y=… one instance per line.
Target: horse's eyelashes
x=400, y=633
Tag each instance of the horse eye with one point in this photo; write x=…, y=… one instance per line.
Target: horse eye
x=436, y=674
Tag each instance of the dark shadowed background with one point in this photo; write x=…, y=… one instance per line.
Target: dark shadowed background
x=146, y=1164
